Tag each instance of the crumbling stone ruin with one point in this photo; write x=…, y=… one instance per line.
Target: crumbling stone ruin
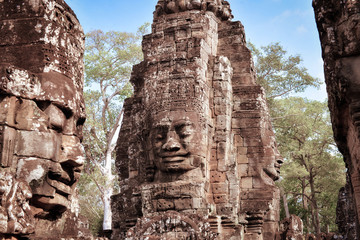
x=291, y=228
x=196, y=156
x=41, y=118
x=339, y=28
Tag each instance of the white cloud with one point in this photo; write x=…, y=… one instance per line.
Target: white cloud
x=301, y=29
x=285, y=15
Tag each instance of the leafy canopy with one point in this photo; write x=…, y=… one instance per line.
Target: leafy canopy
x=279, y=74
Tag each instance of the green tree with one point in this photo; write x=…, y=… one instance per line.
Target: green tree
x=280, y=74
x=313, y=170
x=109, y=58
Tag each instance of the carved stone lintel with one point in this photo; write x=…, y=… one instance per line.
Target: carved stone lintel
x=171, y=225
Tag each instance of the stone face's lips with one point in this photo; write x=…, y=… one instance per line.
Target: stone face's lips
x=180, y=153
x=175, y=159
x=61, y=187
x=54, y=203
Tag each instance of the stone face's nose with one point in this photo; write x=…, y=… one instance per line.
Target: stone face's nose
x=72, y=151
x=172, y=143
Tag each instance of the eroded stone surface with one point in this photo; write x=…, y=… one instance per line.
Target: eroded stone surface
x=171, y=225
x=41, y=118
x=196, y=136
x=291, y=228
x=339, y=29
x=15, y=213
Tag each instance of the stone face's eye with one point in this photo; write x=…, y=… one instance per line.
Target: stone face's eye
x=184, y=130
x=160, y=133
x=57, y=117
x=159, y=136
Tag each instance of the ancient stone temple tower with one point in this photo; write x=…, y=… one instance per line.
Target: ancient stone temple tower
x=338, y=23
x=197, y=157
x=41, y=118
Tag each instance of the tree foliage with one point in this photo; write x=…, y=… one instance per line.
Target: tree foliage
x=280, y=74
x=109, y=58
x=313, y=170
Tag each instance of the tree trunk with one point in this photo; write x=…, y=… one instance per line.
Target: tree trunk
x=109, y=177
x=108, y=192
x=315, y=211
x=305, y=205
x=107, y=224
x=286, y=206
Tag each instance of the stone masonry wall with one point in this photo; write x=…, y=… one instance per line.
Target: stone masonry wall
x=196, y=148
x=338, y=23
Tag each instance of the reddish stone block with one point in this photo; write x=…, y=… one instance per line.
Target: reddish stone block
x=217, y=177
x=7, y=145
x=242, y=159
x=39, y=144
x=220, y=198
x=238, y=141
x=220, y=188
x=242, y=150
x=165, y=204
x=7, y=111
x=183, y=203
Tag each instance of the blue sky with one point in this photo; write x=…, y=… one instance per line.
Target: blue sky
x=290, y=22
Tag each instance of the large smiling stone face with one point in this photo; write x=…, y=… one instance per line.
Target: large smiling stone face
x=178, y=143
x=40, y=131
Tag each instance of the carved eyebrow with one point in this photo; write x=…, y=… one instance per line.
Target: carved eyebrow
x=157, y=129
x=161, y=126
x=181, y=124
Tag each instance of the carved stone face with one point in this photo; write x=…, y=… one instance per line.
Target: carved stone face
x=178, y=143
x=41, y=143
x=53, y=190
x=273, y=169
x=273, y=164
